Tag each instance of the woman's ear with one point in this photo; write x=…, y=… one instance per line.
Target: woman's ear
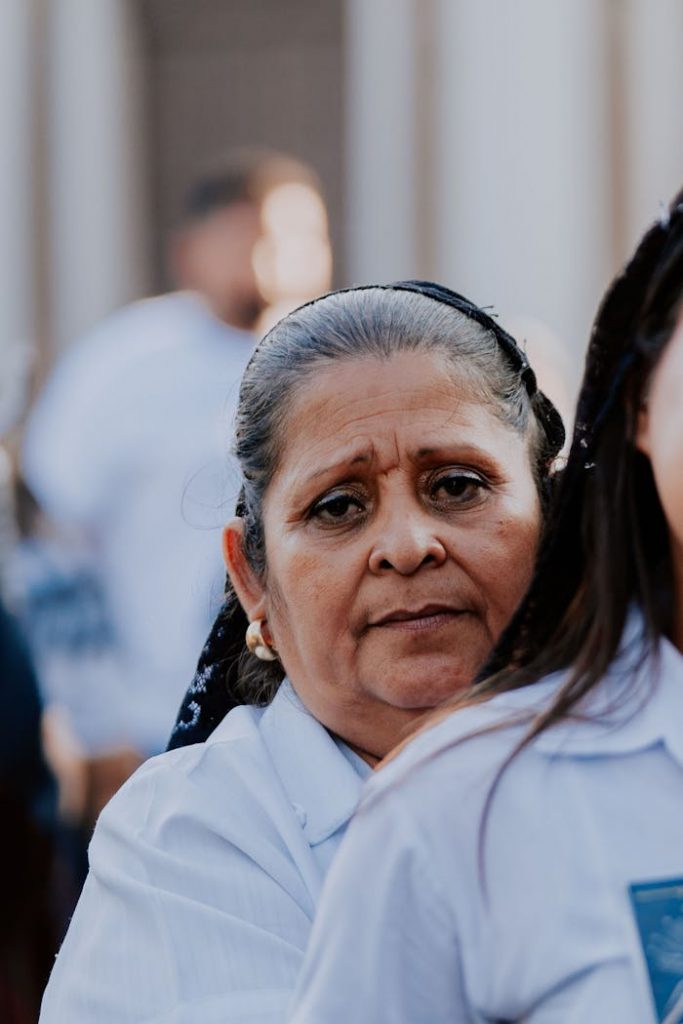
x=248, y=587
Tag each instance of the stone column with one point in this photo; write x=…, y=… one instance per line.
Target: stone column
x=16, y=182
x=96, y=158
x=381, y=142
x=652, y=39
x=522, y=158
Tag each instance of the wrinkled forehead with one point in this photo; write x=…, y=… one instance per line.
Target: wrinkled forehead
x=335, y=393
x=371, y=410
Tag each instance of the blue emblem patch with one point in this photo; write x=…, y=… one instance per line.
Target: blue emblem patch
x=658, y=908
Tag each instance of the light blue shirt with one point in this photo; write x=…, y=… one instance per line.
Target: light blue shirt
x=205, y=872
x=424, y=918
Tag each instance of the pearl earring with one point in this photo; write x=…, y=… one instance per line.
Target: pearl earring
x=257, y=644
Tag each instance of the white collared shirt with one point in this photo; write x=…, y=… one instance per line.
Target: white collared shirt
x=424, y=918
x=205, y=872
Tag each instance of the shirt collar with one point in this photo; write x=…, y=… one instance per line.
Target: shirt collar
x=321, y=776
x=638, y=705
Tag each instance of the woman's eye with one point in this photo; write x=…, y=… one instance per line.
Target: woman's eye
x=458, y=487
x=336, y=509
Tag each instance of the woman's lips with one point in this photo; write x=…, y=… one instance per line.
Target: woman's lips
x=429, y=617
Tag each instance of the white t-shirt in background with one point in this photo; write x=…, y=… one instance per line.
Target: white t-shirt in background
x=129, y=445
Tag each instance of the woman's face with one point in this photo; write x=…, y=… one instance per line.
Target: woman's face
x=660, y=437
x=401, y=527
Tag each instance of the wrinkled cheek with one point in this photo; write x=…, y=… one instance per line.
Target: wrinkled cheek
x=672, y=503
x=311, y=612
x=668, y=473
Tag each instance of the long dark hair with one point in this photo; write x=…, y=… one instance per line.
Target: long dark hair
x=372, y=321
x=607, y=543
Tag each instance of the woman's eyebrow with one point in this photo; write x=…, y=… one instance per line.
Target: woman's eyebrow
x=465, y=452
x=446, y=452
x=346, y=462
x=449, y=451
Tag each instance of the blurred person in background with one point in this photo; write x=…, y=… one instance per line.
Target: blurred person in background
x=28, y=925
x=125, y=453
x=39, y=876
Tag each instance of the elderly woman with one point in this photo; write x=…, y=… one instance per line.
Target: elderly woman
x=531, y=863
x=396, y=456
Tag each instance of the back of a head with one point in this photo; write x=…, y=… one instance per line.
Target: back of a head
x=244, y=175
x=254, y=236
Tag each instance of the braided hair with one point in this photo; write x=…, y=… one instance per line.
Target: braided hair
x=372, y=321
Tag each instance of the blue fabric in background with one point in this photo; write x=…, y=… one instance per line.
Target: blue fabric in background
x=23, y=770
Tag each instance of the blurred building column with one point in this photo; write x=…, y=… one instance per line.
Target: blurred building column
x=96, y=162
x=16, y=241
x=522, y=156
x=16, y=183
x=381, y=139
x=652, y=40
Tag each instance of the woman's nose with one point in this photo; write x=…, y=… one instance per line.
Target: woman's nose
x=406, y=543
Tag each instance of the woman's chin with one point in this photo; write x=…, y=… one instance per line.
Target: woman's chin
x=425, y=682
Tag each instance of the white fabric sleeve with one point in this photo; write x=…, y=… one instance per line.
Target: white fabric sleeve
x=177, y=925
x=383, y=947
